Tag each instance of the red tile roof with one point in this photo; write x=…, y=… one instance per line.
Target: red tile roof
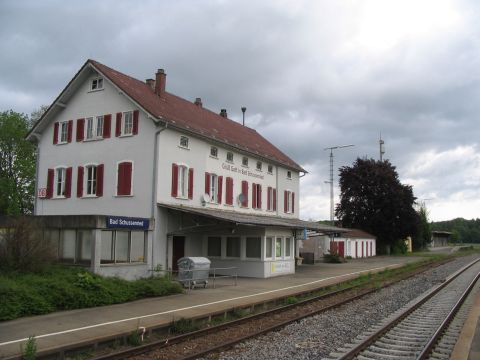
x=359, y=234
x=186, y=115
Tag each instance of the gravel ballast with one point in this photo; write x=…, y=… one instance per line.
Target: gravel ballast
x=316, y=337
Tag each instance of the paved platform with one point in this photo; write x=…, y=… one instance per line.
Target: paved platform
x=72, y=328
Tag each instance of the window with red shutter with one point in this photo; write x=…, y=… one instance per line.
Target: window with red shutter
x=259, y=196
x=68, y=183
x=245, y=193
x=285, y=199
x=274, y=194
x=80, y=181
x=107, y=125
x=80, y=129
x=219, y=189
x=135, y=122
x=207, y=183
x=293, y=202
x=229, y=191
x=70, y=131
x=118, y=125
x=254, y=196
x=55, y=133
x=269, y=198
x=124, y=180
x=50, y=180
x=174, y=180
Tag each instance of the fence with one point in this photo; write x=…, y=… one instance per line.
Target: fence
x=214, y=274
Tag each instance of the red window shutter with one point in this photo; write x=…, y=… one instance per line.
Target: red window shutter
x=207, y=183
x=274, y=194
x=80, y=181
x=245, y=193
x=55, y=133
x=124, y=182
x=269, y=197
x=190, y=183
x=254, y=196
x=135, y=122
x=118, y=127
x=80, y=129
x=120, y=176
x=293, y=202
x=107, y=125
x=100, y=180
x=219, y=189
x=259, y=197
x=229, y=192
x=69, y=131
x=68, y=183
x=174, y=180
x=50, y=179
x=285, y=199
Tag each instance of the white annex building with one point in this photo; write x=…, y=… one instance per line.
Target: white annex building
x=131, y=177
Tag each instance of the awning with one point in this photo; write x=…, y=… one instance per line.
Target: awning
x=255, y=220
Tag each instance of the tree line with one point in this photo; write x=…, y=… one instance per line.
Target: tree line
x=463, y=231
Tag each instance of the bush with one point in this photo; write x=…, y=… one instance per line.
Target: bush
x=23, y=247
x=183, y=326
x=400, y=248
x=333, y=258
x=30, y=351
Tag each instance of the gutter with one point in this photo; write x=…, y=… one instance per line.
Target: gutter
x=37, y=161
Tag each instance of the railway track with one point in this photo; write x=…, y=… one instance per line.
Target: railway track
x=217, y=338
x=415, y=331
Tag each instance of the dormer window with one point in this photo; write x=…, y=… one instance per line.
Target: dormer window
x=245, y=161
x=259, y=165
x=230, y=157
x=214, y=152
x=96, y=84
x=289, y=174
x=184, y=142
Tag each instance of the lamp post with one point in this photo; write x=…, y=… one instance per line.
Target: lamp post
x=332, y=214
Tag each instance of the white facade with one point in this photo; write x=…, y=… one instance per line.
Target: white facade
x=153, y=151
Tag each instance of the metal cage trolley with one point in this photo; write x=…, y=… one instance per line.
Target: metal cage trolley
x=193, y=271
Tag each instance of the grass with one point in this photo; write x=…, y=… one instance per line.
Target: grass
x=65, y=288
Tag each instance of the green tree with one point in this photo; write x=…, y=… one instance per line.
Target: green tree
x=17, y=165
x=373, y=199
x=424, y=234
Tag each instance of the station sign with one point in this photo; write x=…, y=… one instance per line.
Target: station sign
x=119, y=222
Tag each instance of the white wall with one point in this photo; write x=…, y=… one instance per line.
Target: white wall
x=138, y=148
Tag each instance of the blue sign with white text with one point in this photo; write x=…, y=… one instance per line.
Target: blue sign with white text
x=118, y=222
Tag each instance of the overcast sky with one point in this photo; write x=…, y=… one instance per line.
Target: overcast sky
x=312, y=74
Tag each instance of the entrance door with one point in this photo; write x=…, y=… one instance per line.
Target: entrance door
x=178, y=250
x=341, y=248
x=356, y=249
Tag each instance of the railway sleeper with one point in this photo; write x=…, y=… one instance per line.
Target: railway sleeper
x=389, y=351
x=398, y=341
x=413, y=338
x=399, y=345
x=381, y=356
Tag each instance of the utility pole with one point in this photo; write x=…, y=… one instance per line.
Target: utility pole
x=332, y=213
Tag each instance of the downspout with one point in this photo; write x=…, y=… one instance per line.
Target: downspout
x=278, y=190
x=37, y=161
x=154, y=187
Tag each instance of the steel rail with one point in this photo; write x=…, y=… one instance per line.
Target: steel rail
x=163, y=343
x=356, y=350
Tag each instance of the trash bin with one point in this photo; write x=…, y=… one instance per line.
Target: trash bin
x=193, y=271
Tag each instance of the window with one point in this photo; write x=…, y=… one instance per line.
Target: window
x=213, y=152
x=287, y=247
x=91, y=180
x=123, y=246
x=124, y=178
x=127, y=126
x=96, y=84
x=254, y=247
x=182, y=181
x=75, y=246
x=259, y=165
x=214, y=246
x=270, y=169
x=230, y=157
x=278, y=247
x=268, y=247
x=233, y=246
x=289, y=174
x=184, y=142
x=256, y=196
x=244, y=195
x=127, y=123
x=63, y=132
x=245, y=161
x=94, y=127
x=289, y=201
x=229, y=191
x=60, y=177
x=213, y=187
x=271, y=199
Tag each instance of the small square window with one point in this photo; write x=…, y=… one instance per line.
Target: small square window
x=96, y=84
x=270, y=169
x=289, y=174
x=229, y=156
x=259, y=165
x=214, y=152
x=245, y=161
x=184, y=142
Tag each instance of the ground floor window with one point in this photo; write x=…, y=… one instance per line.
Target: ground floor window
x=287, y=247
x=254, y=247
x=120, y=246
x=278, y=247
x=214, y=246
x=268, y=247
x=233, y=246
x=75, y=246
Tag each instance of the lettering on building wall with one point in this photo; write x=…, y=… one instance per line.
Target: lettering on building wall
x=279, y=267
x=127, y=223
x=237, y=170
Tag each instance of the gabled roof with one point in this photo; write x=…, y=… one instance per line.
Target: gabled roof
x=185, y=115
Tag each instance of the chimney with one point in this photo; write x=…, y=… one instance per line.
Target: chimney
x=160, y=81
x=151, y=83
x=223, y=113
x=198, y=102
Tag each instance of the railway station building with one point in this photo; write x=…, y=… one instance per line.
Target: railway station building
x=131, y=178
